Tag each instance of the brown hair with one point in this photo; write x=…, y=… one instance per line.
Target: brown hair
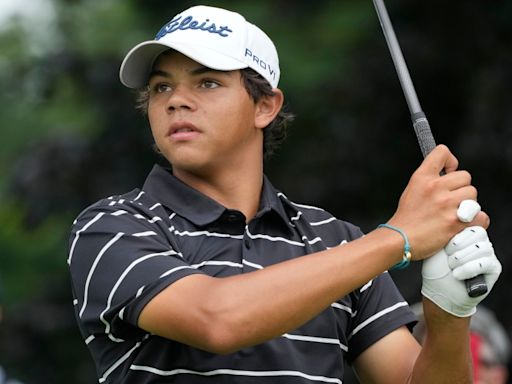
x=257, y=87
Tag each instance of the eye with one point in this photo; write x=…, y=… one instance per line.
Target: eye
x=210, y=84
x=161, y=88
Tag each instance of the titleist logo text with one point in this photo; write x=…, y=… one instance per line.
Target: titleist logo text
x=189, y=23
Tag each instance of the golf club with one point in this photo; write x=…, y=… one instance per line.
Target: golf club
x=475, y=286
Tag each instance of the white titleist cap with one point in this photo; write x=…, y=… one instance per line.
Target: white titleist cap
x=214, y=37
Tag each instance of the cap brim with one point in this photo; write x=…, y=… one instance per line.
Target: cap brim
x=138, y=63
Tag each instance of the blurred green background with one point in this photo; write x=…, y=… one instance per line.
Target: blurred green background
x=69, y=133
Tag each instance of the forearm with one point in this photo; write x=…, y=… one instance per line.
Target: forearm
x=446, y=355
x=287, y=295
x=225, y=314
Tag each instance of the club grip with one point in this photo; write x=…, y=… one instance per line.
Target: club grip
x=423, y=133
x=475, y=286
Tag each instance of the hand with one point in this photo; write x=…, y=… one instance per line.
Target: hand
x=468, y=254
x=428, y=206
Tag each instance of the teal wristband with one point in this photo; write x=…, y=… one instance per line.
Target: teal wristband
x=406, y=258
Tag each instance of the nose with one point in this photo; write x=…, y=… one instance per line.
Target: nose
x=181, y=98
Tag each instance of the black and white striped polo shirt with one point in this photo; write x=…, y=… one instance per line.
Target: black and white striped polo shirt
x=125, y=249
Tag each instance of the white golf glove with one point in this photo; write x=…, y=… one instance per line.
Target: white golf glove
x=468, y=254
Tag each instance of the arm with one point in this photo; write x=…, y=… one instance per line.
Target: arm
x=223, y=315
x=443, y=358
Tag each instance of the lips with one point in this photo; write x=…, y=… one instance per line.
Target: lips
x=182, y=131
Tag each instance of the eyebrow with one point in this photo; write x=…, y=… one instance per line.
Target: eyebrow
x=195, y=72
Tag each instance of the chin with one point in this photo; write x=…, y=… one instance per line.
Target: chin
x=185, y=157
x=188, y=164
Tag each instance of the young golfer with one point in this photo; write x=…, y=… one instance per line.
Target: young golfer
x=208, y=274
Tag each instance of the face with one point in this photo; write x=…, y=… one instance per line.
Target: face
x=202, y=120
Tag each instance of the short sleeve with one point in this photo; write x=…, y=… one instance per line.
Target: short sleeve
x=120, y=257
x=380, y=309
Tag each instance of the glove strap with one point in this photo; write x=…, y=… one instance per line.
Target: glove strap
x=406, y=258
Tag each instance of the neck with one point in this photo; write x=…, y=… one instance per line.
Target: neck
x=237, y=187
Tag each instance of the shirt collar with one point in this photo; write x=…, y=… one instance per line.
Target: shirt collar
x=270, y=201
x=187, y=202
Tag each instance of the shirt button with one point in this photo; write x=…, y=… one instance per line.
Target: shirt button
x=232, y=217
x=247, y=243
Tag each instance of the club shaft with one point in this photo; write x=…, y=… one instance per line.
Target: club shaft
x=475, y=286
x=398, y=58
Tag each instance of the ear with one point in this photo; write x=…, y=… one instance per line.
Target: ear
x=267, y=108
